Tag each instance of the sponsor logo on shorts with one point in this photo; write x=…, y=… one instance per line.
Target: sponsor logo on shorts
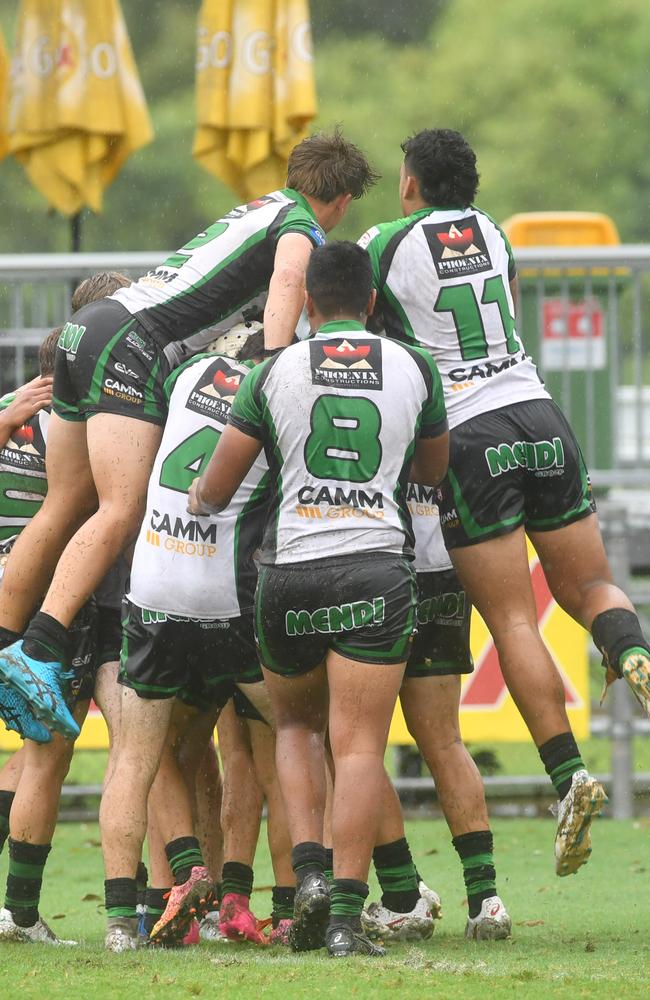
x=346, y=364
x=187, y=537
x=443, y=609
x=546, y=458
x=338, y=618
x=214, y=392
x=123, y=370
x=70, y=338
x=150, y=617
x=120, y=390
x=457, y=250
x=461, y=377
x=139, y=345
x=450, y=519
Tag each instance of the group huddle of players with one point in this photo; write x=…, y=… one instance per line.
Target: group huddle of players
x=278, y=474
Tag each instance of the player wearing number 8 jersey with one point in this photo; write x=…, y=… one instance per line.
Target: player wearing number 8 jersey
x=110, y=369
x=341, y=418
x=445, y=279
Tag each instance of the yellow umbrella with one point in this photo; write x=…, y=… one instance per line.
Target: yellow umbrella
x=4, y=88
x=77, y=108
x=255, y=90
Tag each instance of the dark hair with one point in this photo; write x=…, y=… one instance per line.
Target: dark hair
x=253, y=347
x=445, y=166
x=47, y=352
x=339, y=279
x=98, y=286
x=326, y=166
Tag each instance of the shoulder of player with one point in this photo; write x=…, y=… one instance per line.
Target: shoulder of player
x=378, y=236
x=422, y=358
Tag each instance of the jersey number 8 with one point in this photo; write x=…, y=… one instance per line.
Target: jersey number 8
x=344, y=441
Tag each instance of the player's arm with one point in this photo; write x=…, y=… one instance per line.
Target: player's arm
x=225, y=472
x=286, y=290
x=28, y=400
x=430, y=460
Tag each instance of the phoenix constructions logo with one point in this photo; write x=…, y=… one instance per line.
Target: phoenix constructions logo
x=346, y=364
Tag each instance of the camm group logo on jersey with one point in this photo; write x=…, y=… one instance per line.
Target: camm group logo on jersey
x=488, y=712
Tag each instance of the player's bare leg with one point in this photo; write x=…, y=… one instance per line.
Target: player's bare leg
x=496, y=577
x=108, y=697
x=34, y=813
x=431, y=706
x=580, y=579
x=120, y=451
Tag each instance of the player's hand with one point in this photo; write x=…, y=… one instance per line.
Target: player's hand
x=30, y=398
x=194, y=505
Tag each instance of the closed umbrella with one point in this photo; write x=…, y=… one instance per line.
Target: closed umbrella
x=77, y=108
x=255, y=90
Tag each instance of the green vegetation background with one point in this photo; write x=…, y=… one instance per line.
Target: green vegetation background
x=553, y=97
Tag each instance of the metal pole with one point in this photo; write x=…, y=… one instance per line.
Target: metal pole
x=622, y=766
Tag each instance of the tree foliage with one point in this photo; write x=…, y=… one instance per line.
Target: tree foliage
x=552, y=96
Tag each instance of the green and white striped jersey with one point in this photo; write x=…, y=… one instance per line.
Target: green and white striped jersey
x=339, y=416
x=23, y=484
x=221, y=276
x=198, y=567
x=442, y=278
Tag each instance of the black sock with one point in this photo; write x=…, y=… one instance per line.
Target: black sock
x=141, y=879
x=6, y=799
x=155, y=903
x=475, y=853
x=396, y=875
x=7, y=637
x=329, y=863
x=121, y=897
x=237, y=878
x=615, y=633
x=24, y=880
x=561, y=758
x=47, y=639
x=348, y=896
x=283, y=898
x=183, y=855
x=307, y=858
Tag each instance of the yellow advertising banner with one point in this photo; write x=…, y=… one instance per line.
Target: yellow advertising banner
x=488, y=713
x=255, y=91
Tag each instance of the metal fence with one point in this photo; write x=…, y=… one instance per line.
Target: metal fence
x=583, y=315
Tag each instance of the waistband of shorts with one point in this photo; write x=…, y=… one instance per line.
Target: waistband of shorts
x=346, y=560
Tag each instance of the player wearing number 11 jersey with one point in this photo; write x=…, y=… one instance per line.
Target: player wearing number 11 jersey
x=446, y=279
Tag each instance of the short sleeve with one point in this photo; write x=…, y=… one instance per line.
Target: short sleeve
x=246, y=411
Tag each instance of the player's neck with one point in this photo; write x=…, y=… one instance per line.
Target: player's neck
x=414, y=204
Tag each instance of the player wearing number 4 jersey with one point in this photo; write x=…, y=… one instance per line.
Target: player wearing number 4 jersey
x=446, y=280
x=188, y=632
x=109, y=372
x=341, y=419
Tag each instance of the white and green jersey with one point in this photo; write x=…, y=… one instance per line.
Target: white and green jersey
x=431, y=555
x=339, y=416
x=222, y=275
x=442, y=278
x=198, y=567
x=23, y=484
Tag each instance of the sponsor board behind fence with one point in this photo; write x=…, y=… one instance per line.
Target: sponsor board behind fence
x=488, y=713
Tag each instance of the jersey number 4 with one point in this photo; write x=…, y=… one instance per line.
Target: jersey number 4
x=188, y=460
x=461, y=302
x=344, y=441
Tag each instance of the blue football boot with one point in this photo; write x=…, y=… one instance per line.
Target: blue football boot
x=16, y=715
x=40, y=685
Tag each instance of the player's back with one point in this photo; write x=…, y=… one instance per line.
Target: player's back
x=198, y=567
x=220, y=274
x=443, y=280
x=339, y=416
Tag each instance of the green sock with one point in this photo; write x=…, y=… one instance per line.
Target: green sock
x=121, y=897
x=397, y=876
x=348, y=896
x=155, y=903
x=6, y=800
x=475, y=852
x=183, y=855
x=283, y=898
x=24, y=880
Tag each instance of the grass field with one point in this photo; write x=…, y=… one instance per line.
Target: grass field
x=584, y=936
